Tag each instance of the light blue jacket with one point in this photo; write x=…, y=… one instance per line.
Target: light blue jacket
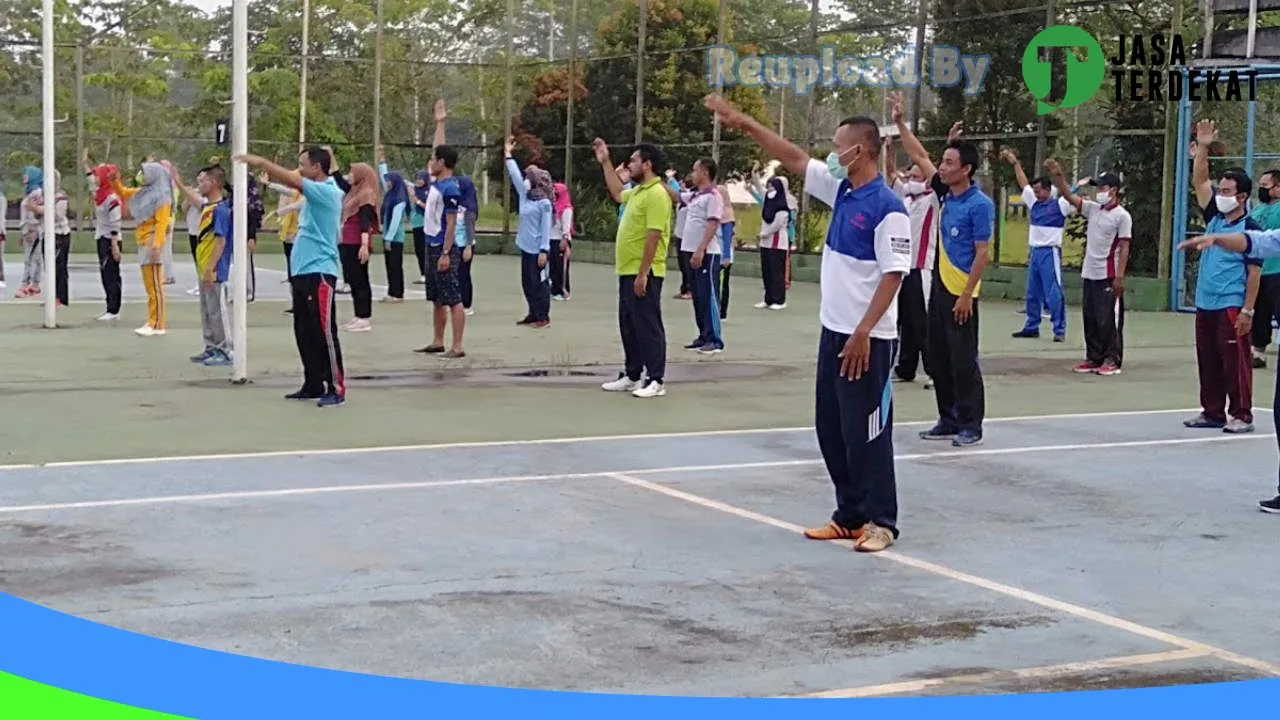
x=392, y=227
x=534, y=233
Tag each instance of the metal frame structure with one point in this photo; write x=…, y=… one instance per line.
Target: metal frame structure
x=1182, y=181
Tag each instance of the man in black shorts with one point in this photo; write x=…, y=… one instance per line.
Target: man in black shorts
x=444, y=257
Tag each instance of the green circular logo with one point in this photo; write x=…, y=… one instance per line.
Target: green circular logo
x=1084, y=77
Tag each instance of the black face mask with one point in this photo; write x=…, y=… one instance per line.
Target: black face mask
x=1264, y=195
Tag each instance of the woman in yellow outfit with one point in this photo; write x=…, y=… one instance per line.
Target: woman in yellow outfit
x=151, y=205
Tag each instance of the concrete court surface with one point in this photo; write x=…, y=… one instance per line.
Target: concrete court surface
x=1069, y=552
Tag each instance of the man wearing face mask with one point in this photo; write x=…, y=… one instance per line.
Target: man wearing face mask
x=1226, y=292
x=1044, y=264
x=866, y=255
x=966, y=226
x=913, y=299
x=1266, y=212
x=1106, y=257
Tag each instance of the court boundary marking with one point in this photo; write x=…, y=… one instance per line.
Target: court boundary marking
x=567, y=440
x=587, y=475
x=1078, y=611
x=1041, y=672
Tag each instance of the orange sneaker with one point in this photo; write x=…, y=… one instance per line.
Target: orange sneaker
x=832, y=531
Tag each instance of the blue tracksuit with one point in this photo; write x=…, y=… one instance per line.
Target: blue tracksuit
x=1044, y=267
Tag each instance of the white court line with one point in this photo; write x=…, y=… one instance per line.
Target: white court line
x=1045, y=601
x=682, y=469
x=542, y=441
x=1044, y=672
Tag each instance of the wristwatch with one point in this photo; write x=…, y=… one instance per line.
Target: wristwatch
x=1247, y=311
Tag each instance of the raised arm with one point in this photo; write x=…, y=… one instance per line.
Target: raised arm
x=442, y=114
x=513, y=169
x=382, y=168
x=189, y=194
x=911, y=144
x=611, y=179
x=890, y=163
x=1060, y=182
x=792, y=157
x=1206, y=133
x=1009, y=156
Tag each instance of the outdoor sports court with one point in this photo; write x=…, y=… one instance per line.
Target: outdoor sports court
x=430, y=528
x=1069, y=552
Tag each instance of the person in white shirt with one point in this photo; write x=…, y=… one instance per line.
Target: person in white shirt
x=1048, y=212
x=866, y=256
x=701, y=241
x=913, y=299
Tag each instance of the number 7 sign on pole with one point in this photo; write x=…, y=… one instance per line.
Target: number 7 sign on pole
x=220, y=132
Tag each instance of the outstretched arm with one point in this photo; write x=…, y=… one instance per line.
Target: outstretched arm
x=442, y=113
x=1019, y=174
x=513, y=169
x=792, y=157
x=275, y=172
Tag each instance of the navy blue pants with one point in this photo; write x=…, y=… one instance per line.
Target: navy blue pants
x=706, y=300
x=854, y=420
x=537, y=287
x=1044, y=289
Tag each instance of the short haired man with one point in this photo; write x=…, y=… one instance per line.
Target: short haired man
x=644, y=234
x=314, y=273
x=1226, y=291
x=701, y=242
x=1048, y=214
x=913, y=299
x=967, y=223
x=867, y=253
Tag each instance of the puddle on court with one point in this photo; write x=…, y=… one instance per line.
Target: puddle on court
x=579, y=375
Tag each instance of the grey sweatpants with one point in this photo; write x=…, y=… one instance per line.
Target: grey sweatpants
x=213, y=317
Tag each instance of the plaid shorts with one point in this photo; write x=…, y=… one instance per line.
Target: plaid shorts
x=442, y=287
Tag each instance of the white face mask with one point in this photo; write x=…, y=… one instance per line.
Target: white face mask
x=1104, y=198
x=915, y=187
x=1226, y=203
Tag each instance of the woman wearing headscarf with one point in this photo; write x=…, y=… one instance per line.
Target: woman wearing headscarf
x=151, y=206
x=395, y=209
x=421, y=189
x=257, y=210
x=359, y=225
x=533, y=237
x=107, y=210
x=774, y=244
x=30, y=222
x=4, y=208
x=61, y=235
x=561, y=242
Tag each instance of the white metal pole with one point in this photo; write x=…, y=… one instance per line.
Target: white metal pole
x=50, y=184
x=1253, y=29
x=240, y=181
x=302, y=91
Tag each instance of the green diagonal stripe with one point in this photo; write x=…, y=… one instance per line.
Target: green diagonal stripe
x=26, y=700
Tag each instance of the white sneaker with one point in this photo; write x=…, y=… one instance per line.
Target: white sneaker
x=622, y=384
x=783, y=306
x=145, y=331
x=761, y=305
x=1, y=284
x=469, y=312
x=360, y=325
x=193, y=291
x=108, y=317
x=651, y=390
x=158, y=332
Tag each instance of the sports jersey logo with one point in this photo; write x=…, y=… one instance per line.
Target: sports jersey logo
x=900, y=245
x=859, y=221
